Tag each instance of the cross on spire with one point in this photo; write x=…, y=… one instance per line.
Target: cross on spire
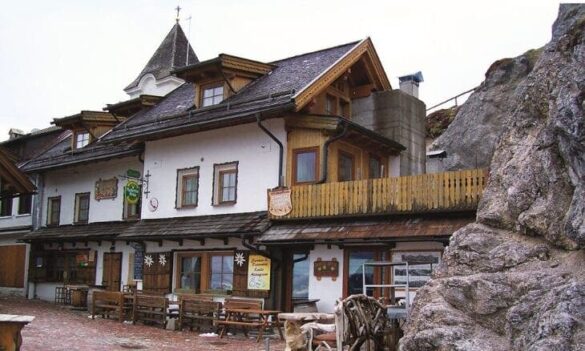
x=178, y=12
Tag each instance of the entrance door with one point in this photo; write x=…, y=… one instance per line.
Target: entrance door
x=112, y=271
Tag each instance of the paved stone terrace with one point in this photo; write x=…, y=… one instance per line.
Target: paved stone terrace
x=59, y=328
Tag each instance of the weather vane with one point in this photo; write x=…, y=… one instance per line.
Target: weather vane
x=178, y=11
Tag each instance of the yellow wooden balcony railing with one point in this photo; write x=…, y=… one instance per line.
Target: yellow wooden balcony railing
x=433, y=192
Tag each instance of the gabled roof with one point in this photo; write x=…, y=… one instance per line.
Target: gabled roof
x=85, y=116
x=15, y=181
x=170, y=55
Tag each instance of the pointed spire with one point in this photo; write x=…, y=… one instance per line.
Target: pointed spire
x=171, y=54
x=178, y=12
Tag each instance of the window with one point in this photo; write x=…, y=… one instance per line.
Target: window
x=6, y=206
x=305, y=165
x=226, y=182
x=344, y=108
x=67, y=266
x=5, y=201
x=355, y=258
x=346, y=167
x=54, y=210
x=375, y=167
x=187, y=187
x=212, y=95
x=190, y=274
x=300, y=276
x=222, y=272
x=203, y=271
x=24, y=204
x=81, y=139
x=330, y=104
x=81, y=208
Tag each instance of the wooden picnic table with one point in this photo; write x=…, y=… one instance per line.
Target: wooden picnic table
x=251, y=318
x=10, y=327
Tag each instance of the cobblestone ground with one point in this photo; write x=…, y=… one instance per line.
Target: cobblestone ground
x=59, y=328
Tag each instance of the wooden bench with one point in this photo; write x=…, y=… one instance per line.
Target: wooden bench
x=150, y=309
x=198, y=311
x=105, y=302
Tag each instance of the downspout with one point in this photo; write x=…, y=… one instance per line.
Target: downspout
x=257, y=250
x=281, y=150
x=326, y=152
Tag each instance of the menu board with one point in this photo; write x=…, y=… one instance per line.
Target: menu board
x=258, y=272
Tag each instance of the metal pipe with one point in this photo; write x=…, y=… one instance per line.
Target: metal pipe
x=281, y=150
x=257, y=250
x=326, y=152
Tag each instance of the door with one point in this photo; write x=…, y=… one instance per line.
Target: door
x=297, y=273
x=112, y=271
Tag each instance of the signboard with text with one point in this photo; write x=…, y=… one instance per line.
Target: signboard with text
x=258, y=272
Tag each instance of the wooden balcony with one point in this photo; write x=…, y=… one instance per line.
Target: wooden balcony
x=435, y=192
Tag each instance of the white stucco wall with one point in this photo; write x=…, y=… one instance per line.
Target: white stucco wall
x=257, y=157
x=151, y=86
x=326, y=290
x=81, y=179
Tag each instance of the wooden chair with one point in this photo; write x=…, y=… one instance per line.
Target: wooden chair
x=198, y=311
x=106, y=302
x=150, y=309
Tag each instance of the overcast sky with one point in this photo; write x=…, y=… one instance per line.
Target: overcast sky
x=59, y=57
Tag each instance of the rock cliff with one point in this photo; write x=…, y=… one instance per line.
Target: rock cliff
x=515, y=279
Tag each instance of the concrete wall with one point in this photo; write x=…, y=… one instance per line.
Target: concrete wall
x=257, y=157
x=81, y=179
x=399, y=117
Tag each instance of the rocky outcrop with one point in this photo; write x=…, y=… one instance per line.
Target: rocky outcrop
x=481, y=120
x=515, y=280
x=437, y=122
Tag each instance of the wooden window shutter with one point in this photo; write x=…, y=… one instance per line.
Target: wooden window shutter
x=241, y=272
x=241, y=276
x=157, y=272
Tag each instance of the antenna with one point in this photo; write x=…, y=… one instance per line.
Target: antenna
x=188, y=40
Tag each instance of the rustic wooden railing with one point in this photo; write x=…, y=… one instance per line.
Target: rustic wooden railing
x=433, y=192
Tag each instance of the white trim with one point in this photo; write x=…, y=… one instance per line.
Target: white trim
x=329, y=68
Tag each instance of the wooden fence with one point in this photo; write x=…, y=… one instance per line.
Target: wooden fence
x=433, y=192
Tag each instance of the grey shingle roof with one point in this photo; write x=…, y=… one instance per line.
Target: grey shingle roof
x=216, y=226
x=171, y=54
x=60, y=154
x=199, y=227
x=273, y=92
x=95, y=231
x=293, y=73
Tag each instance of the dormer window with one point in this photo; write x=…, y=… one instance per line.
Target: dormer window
x=81, y=139
x=212, y=95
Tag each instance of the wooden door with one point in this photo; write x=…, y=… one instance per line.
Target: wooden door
x=12, y=259
x=112, y=270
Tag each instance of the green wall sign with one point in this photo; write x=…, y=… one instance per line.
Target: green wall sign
x=132, y=173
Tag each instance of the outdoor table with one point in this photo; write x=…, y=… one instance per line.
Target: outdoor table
x=293, y=322
x=259, y=319
x=10, y=327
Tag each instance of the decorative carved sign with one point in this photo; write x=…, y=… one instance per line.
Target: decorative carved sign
x=279, y=202
x=106, y=189
x=326, y=269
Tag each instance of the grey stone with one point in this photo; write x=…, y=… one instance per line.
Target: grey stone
x=515, y=279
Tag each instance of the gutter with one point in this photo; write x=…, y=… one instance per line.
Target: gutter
x=326, y=151
x=281, y=150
